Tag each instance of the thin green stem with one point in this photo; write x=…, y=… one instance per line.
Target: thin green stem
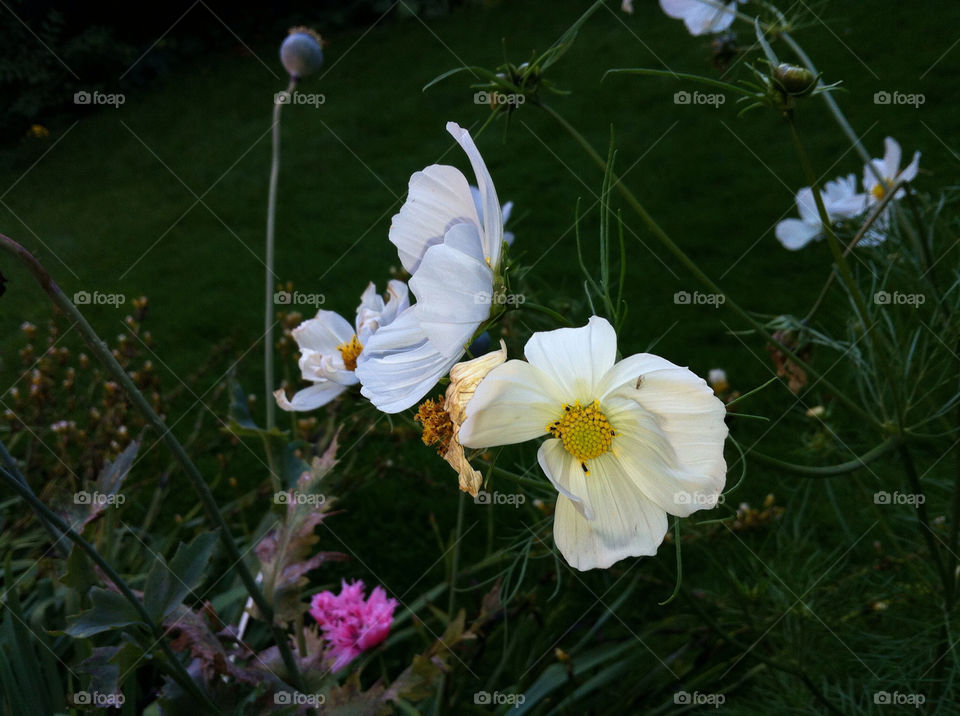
x=537, y=308
x=828, y=470
x=665, y=239
x=11, y=466
x=103, y=354
x=924, y=522
x=176, y=669
x=269, y=308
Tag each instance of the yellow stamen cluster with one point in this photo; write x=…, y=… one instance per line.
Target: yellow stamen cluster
x=585, y=431
x=437, y=426
x=880, y=189
x=350, y=350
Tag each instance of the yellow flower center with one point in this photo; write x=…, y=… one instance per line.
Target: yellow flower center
x=350, y=350
x=880, y=189
x=585, y=431
x=437, y=427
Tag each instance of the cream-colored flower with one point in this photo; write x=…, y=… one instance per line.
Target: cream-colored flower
x=441, y=425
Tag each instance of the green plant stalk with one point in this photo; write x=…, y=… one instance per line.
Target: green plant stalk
x=11, y=466
x=924, y=521
x=537, y=308
x=103, y=354
x=268, y=306
x=691, y=266
x=176, y=669
x=842, y=468
x=846, y=274
x=452, y=593
x=832, y=105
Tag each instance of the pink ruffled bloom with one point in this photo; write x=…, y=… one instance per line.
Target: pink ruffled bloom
x=350, y=624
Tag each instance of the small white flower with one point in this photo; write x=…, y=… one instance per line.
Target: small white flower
x=631, y=441
x=889, y=169
x=452, y=249
x=702, y=17
x=330, y=346
x=840, y=199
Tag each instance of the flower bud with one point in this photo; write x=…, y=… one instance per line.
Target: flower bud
x=301, y=53
x=796, y=81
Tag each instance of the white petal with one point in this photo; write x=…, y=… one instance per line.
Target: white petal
x=310, y=398
x=795, y=234
x=515, y=402
x=575, y=358
x=437, y=198
x=567, y=475
x=399, y=366
x=807, y=206
x=491, y=219
x=453, y=287
x=891, y=158
x=323, y=333
x=870, y=181
x=701, y=16
x=911, y=170
x=625, y=524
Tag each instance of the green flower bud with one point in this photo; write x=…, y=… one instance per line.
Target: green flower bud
x=795, y=81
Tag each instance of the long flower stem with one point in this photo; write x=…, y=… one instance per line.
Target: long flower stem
x=10, y=465
x=103, y=354
x=924, y=521
x=268, y=305
x=665, y=239
x=176, y=669
x=829, y=470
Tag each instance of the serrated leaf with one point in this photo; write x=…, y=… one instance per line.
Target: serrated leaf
x=79, y=574
x=167, y=585
x=109, y=611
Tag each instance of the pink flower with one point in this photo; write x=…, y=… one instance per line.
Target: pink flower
x=350, y=624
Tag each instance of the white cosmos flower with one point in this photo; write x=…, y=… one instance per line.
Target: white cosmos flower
x=840, y=199
x=632, y=440
x=889, y=169
x=701, y=17
x=453, y=252
x=329, y=346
